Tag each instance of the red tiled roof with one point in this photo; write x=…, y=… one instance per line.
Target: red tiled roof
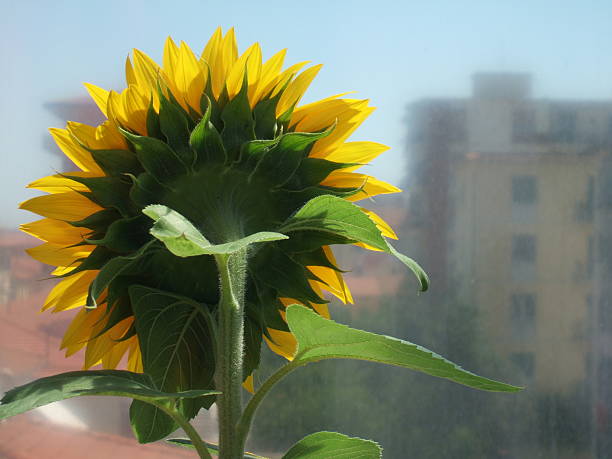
x=12, y=238
x=364, y=286
x=26, y=437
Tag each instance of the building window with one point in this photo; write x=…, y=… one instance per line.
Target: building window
x=523, y=125
x=522, y=314
x=524, y=189
x=563, y=125
x=525, y=362
x=523, y=248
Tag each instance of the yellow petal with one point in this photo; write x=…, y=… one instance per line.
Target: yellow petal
x=371, y=186
x=130, y=76
x=70, y=292
x=170, y=58
x=116, y=113
x=135, y=108
x=348, y=297
x=253, y=72
x=189, y=78
x=301, y=112
x=59, y=255
x=79, y=331
x=321, y=309
x=79, y=156
x=323, y=114
x=344, y=128
x=356, y=152
x=63, y=270
x=330, y=283
x=249, y=385
x=296, y=89
x=279, y=83
x=69, y=206
x=284, y=343
x=101, y=345
x=103, y=137
x=59, y=184
x=146, y=72
x=269, y=72
x=382, y=225
x=99, y=96
x=112, y=358
x=212, y=47
x=55, y=231
x=222, y=56
x=135, y=357
x=250, y=61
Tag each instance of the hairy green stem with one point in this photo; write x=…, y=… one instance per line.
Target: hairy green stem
x=228, y=377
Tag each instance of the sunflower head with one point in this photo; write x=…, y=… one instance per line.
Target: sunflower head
x=220, y=139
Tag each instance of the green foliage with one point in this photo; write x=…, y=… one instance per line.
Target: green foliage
x=212, y=448
x=324, y=445
x=344, y=222
x=319, y=338
x=156, y=156
x=238, y=122
x=117, y=383
x=177, y=346
x=206, y=141
x=184, y=240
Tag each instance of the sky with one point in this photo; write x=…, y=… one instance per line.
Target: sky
x=391, y=52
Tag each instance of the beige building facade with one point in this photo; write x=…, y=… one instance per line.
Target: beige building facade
x=509, y=202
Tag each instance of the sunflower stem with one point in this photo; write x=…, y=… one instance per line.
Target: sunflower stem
x=194, y=436
x=228, y=378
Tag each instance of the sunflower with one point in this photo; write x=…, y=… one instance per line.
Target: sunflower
x=221, y=139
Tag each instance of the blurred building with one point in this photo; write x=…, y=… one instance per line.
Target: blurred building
x=511, y=209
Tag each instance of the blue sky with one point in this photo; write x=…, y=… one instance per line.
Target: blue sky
x=393, y=52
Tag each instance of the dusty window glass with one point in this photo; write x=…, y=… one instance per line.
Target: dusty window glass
x=499, y=121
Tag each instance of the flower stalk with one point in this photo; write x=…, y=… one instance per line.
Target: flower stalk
x=230, y=352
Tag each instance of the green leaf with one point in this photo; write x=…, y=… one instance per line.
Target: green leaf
x=82, y=383
x=265, y=118
x=335, y=216
x=281, y=161
x=125, y=235
x=110, y=191
x=95, y=260
x=319, y=339
x=252, y=347
x=238, y=123
x=111, y=270
x=184, y=240
x=153, y=128
x=116, y=162
x=421, y=275
x=177, y=352
x=145, y=189
x=98, y=221
x=206, y=141
x=156, y=156
x=175, y=127
x=212, y=448
x=286, y=276
x=313, y=171
x=315, y=257
x=328, y=445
